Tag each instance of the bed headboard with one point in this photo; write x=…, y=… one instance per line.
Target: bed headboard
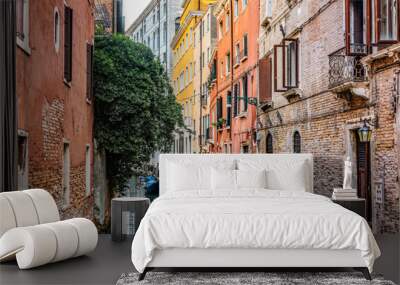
x=210, y=159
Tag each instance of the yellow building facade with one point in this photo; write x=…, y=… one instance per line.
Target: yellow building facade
x=183, y=73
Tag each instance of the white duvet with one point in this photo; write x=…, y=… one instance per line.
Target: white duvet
x=253, y=218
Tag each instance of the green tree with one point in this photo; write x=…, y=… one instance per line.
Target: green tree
x=135, y=109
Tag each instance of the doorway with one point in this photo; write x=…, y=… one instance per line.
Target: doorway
x=364, y=174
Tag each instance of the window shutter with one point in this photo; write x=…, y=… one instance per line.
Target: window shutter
x=89, y=72
x=265, y=78
x=235, y=101
x=68, y=43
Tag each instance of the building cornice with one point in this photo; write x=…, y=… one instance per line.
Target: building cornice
x=219, y=7
x=386, y=52
x=183, y=27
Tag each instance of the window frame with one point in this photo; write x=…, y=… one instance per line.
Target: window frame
x=89, y=71
x=379, y=22
x=245, y=45
x=68, y=42
x=372, y=30
x=284, y=46
x=23, y=40
x=296, y=142
x=269, y=143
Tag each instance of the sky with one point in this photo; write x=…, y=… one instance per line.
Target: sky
x=132, y=9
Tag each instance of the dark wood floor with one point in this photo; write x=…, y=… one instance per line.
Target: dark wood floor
x=110, y=260
x=103, y=266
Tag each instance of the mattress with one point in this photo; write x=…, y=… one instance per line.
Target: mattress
x=250, y=219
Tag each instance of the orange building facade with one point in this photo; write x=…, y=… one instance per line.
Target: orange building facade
x=235, y=89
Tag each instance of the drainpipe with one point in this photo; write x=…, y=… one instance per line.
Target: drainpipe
x=201, y=86
x=232, y=69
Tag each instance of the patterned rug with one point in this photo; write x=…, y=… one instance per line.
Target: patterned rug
x=239, y=278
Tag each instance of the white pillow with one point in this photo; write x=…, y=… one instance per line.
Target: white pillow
x=183, y=177
x=251, y=178
x=291, y=179
x=223, y=179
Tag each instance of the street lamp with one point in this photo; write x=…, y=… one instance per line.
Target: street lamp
x=365, y=133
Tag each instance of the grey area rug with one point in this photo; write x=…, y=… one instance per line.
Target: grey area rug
x=236, y=278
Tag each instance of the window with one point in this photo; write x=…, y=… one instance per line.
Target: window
x=388, y=24
x=268, y=8
x=165, y=8
x=228, y=108
x=165, y=33
x=236, y=8
x=291, y=65
x=66, y=174
x=296, y=142
x=269, y=144
x=286, y=65
x=202, y=59
x=56, y=29
x=228, y=63
x=236, y=102
x=208, y=21
x=158, y=38
x=219, y=109
x=245, y=46
x=237, y=54
x=244, y=4
x=22, y=160
x=89, y=72
x=68, y=26
x=22, y=27
x=227, y=21
x=87, y=169
x=371, y=22
x=245, y=149
x=245, y=88
x=221, y=29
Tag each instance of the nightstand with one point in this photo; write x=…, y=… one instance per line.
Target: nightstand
x=357, y=205
x=126, y=214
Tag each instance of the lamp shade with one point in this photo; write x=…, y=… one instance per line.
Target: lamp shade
x=365, y=133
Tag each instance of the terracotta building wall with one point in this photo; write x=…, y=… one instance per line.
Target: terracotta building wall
x=223, y=135
x=247, y=22
x=51, y=112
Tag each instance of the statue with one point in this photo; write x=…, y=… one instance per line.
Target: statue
x=347, y=174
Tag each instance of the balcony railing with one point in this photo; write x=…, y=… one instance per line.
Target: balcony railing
x=344, y=68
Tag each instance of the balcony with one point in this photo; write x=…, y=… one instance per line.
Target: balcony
x=347, y=75
x=344, y=68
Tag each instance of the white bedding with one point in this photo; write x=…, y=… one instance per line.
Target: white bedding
x=251, y=218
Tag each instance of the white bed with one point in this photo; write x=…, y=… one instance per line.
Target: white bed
x=198, y=223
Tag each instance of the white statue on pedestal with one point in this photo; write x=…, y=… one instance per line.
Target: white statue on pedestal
x=347, y=174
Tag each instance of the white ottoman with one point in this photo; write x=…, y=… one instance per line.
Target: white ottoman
x=31, y=232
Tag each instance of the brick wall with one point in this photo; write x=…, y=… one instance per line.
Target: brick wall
x=51, y=111
x=327, y=122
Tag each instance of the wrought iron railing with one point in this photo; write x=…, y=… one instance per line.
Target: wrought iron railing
x=344, y=68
